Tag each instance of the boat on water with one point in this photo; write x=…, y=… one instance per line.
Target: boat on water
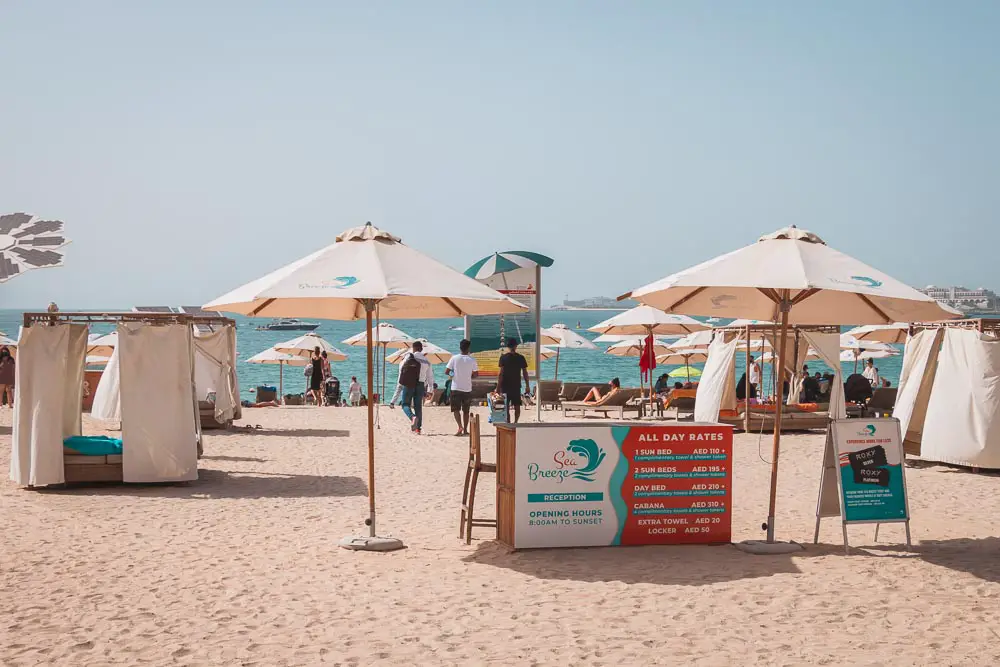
x=288, y=325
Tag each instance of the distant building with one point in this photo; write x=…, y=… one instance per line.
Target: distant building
x=599, y=302
x=963, y=298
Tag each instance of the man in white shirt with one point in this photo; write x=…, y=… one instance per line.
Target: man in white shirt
x=753, y=378
x=871, y=374
x=462, y=368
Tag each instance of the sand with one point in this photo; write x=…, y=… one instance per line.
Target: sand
x=242, y=568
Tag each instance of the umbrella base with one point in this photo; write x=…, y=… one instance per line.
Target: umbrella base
x=768, y=548
x=371, y=543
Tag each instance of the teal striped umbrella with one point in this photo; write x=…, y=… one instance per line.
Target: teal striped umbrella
x=508, y=260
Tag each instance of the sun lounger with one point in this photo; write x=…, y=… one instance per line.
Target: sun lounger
x=619, y=403
x=792, y=420
x=548, y=393
x=882, y=402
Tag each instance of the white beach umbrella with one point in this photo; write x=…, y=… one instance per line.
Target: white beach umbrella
x=897, y=332
x=303, y=346
x=561, y=337
x=633, y=348
x=364, y=273
x=855, y=355
x=644, y=320
x=791, y=276
x=682, y=357
x=282, y=359
x=7, y=342
x=617, y=338
x=434, y=353
x=546, y=352
x=384, y=335
x=647, y=321
x=850, y=342
x=697, y=340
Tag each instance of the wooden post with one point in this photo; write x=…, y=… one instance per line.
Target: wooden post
x=746, y=387
x=785, y=306
x=281, y=382
x=556, y=376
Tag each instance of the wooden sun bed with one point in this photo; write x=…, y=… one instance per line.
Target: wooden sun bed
x=618, y=403
x=548, y=393
x=790, y=421
x=82, y=469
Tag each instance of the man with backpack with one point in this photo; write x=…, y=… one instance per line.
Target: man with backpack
x=415, y=375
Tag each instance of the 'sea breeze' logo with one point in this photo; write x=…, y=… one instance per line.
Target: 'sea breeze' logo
x=579, y=460
x=340, y=282
x=863, y=281
x=868, y=431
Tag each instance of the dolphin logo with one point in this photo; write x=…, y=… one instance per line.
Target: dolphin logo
x=720, y=301
x=343, y=282
x=586, y=449
x=870, y=429
x=866, y=281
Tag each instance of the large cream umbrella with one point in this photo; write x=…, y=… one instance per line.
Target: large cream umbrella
x=435, y=354
x=791, y=275
x=282, y=359
x=546, y=353
x=896, y=333
x=384, y=335
x=561, y=337
x=303, y=346
x=364, y=274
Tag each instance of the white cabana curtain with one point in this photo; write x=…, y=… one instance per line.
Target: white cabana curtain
x=215, y=371
x=717, y=386
x=827, y=346
x=920, y=359
x=107, y=404
x=160, y=428
x=961, y=425
x=47, y=406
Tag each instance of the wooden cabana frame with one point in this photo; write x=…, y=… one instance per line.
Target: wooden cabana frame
x=112, y=472
x=990, y=325
x=746, y=332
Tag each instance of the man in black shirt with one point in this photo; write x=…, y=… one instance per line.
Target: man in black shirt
x=512, y=367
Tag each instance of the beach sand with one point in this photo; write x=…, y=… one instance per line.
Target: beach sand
x=242, y=567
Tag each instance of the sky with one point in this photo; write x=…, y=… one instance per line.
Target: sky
x=192, y=146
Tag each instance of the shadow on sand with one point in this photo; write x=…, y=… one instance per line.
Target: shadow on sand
x=286, y=433
x=975, y=556
x=215, y=484
x=239, y=459
x=689, y=565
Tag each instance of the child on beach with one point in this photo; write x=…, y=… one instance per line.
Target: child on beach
x=354, y=392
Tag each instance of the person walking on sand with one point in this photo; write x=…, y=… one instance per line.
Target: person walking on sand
x=6, y=377
x=462, y=368
x=415, y=374
x=316, y=377
x=512, y=367
x=354, y=392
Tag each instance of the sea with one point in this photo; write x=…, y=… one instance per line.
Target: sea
x=574, y=365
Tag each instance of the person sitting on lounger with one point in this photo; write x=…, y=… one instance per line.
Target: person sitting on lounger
x=595, y=397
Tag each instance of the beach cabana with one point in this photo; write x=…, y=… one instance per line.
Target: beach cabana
x=366, y=273
x=790, y=276
x=160, y=430
x=947, y=401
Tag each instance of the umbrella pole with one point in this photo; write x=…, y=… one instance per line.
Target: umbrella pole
x=556, y=376
x=281, y=382
x=370, y=543
x=371, y=426
x=779, y=389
